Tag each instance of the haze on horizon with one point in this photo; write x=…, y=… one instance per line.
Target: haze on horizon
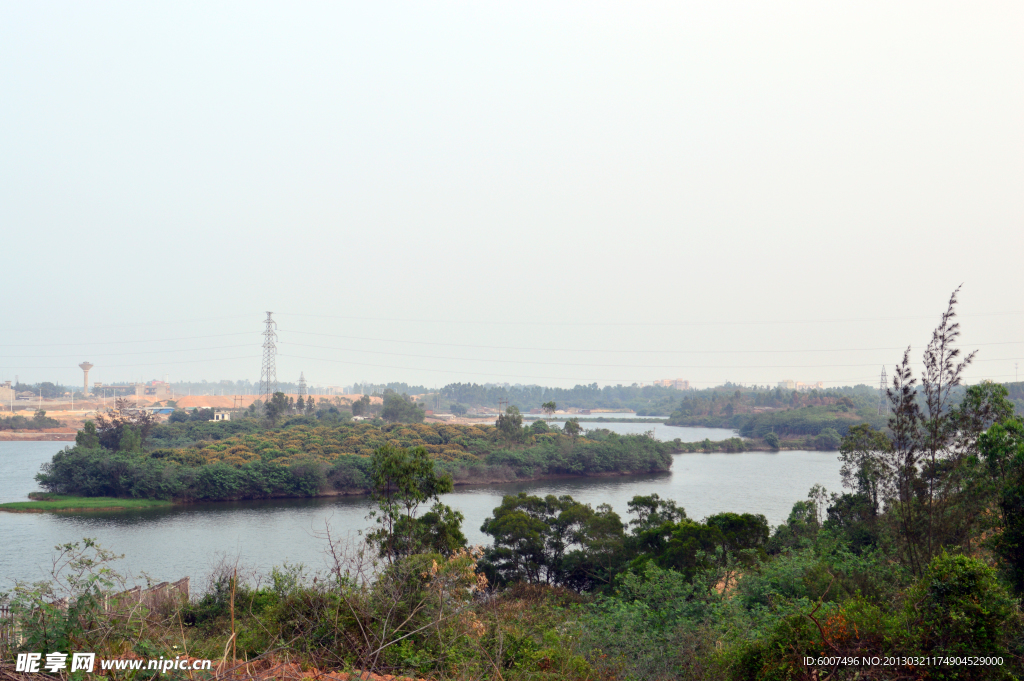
x=549, y=193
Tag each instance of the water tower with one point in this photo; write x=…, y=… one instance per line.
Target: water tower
x=85, y=366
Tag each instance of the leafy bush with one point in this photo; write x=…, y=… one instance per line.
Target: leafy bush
x=828, y=439
x=958, y=608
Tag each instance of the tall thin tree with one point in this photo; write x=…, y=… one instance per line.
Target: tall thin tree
x=942, y=374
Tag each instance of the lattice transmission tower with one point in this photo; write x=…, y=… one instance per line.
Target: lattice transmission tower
x=883, y=400
x=268, y=375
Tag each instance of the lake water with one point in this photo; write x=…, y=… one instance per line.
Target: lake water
x=596, y=414
x=187, y=540
x=660, y=430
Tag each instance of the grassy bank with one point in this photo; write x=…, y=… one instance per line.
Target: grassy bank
x=59, y=502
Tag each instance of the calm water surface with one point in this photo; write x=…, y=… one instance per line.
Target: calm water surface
x=187, y=540
x=660, y=430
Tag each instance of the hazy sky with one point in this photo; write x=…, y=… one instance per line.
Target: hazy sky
x=551, y=193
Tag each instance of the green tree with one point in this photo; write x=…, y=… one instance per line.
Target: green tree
x=440, y=530
x=900, y=481
x=772, y=440
x=131, y=440
x=554, y=540
x=549, y=407
x=828, y=439
x=652, y=511
x=87, y=438
x=510, y=425
x=361, y=407
x=277, y=407
x=572, y=428
x=1002, y=449
x=181, y=416
x=401, y=409
x=958, y=608
x=403, y=480
x=943, y=471
x=861, y=453
x=110, y=426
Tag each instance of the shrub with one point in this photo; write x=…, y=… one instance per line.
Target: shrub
x=958, y=608
x=828, y=439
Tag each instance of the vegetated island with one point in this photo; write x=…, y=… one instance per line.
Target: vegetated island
x=126, y=454
x=290, y=448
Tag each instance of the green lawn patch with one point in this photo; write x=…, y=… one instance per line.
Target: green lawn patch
x=56, y=502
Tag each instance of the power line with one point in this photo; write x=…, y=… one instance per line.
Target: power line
x=695, y=352
x=151, y=364
x=701, y=323
x=469, y=373
x=125, y=326
x=618, y=366
x=148, y=340
x=468, y=345
x=141, y=352
x=845, y=381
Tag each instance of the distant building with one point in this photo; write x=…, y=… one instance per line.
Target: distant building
x=801, y=386
x=819, y=385
x=677, y=383
x=222, y=416
x=158, y=389
x=6, y=394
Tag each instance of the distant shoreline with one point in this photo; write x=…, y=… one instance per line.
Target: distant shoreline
x=597, y=419
x=35, y=436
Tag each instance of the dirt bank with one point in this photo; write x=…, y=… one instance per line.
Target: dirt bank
x=48, y=435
